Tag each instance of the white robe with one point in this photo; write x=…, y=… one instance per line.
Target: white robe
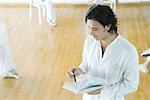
x=6, y=63
x=119, y=66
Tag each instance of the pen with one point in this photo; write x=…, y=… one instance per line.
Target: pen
x=74, y=77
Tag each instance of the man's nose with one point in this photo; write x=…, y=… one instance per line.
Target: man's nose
x=91, y=32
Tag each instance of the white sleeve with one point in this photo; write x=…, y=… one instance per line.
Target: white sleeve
x=83, y=65
x=130, y=78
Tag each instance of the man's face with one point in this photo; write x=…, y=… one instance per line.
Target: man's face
x=96, y=30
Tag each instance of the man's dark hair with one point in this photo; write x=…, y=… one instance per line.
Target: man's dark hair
x=104, y=15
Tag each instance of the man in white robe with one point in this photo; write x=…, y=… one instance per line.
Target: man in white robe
x=118, y=65
x=108, y=55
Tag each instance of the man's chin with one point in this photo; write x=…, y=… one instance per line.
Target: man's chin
x=96, y=38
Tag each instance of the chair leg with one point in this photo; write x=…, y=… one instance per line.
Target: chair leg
x=39, y=15
x=44, y=10
x=30, y=11
x=114, y=5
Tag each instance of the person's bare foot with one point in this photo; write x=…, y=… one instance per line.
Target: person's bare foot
x=146, y=53
x=14, y=72
x=147, y=63
x=145, y=67
x=10, y=74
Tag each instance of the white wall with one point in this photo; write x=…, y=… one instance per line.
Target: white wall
x=55, y=1
x=70, y=1
x=14, y=1
x=128, y=1
x=145, y=0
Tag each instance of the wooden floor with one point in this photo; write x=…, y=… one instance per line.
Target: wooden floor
x=43, y=54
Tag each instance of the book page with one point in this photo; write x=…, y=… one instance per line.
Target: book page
x=85, y=85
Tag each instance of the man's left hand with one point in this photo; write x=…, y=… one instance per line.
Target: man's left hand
x=95, y=92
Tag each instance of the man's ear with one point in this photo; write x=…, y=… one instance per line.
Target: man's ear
x=107, y=27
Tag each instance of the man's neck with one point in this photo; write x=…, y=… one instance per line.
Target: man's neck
x=105, y=42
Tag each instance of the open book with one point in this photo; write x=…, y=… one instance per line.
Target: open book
x=85, y=85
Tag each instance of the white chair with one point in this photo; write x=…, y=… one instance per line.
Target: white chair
x=111, y=2
x=41, y=8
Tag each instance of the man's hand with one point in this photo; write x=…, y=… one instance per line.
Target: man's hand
x=74, y=71
x=95, y=92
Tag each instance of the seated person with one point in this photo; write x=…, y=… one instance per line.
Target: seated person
x=7, y=67
x=6, y=64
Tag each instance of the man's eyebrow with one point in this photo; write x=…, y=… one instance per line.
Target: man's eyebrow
x=93, y=27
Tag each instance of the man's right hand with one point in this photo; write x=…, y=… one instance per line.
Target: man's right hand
x=74, y=71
